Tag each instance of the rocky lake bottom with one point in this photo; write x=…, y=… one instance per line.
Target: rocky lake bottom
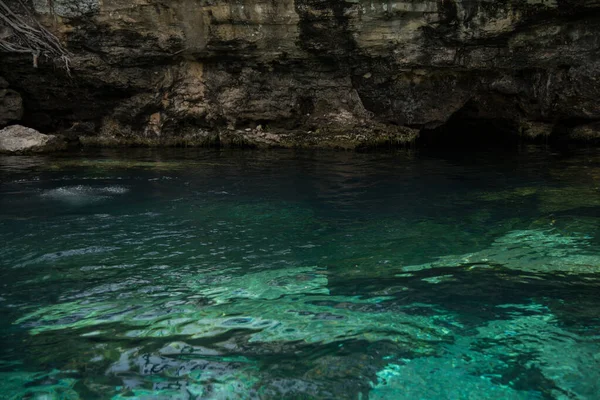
x=239, y=274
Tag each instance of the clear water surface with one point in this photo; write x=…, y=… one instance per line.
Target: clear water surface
x=206, y=274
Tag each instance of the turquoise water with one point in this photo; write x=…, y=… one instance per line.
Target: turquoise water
x=205, y=274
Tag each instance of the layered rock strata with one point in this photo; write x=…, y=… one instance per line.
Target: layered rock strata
x=314, y=72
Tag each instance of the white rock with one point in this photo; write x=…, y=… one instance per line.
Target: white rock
x=20, y=139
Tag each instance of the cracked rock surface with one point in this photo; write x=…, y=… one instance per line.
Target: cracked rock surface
x=335, y=73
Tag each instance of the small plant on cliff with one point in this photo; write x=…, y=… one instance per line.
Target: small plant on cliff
x=20, y=32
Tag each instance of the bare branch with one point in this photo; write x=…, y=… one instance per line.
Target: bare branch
x=25, y=34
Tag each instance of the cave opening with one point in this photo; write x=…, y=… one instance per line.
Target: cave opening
x=473, y=127
x=471, y=133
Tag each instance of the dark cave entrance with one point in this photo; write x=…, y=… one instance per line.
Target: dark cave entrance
x=474, y=127
x=471, y=133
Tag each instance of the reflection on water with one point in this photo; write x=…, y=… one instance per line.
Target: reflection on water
x=82, y=195
x=204, y=274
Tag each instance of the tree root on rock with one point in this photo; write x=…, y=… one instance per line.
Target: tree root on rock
x=24, y=34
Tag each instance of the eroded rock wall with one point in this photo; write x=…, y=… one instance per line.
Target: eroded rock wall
x=311, y=72
x=11, y=104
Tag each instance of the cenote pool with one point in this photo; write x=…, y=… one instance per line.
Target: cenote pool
x=207, y=274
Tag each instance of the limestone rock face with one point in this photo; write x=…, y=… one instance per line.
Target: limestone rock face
x=195, y=70
x=19, y=139
x=11, y=104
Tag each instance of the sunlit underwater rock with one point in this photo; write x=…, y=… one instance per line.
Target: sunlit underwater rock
x=530, y=250
x=179, y=372
x=569, y=362
x=37, y=386
x=280, y=305
x=269, y=284
x=439, y=378
x=503, y=360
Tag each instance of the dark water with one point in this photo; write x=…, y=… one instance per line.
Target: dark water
x=204, y=274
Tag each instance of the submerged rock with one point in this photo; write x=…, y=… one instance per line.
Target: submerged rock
x=19, y=139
